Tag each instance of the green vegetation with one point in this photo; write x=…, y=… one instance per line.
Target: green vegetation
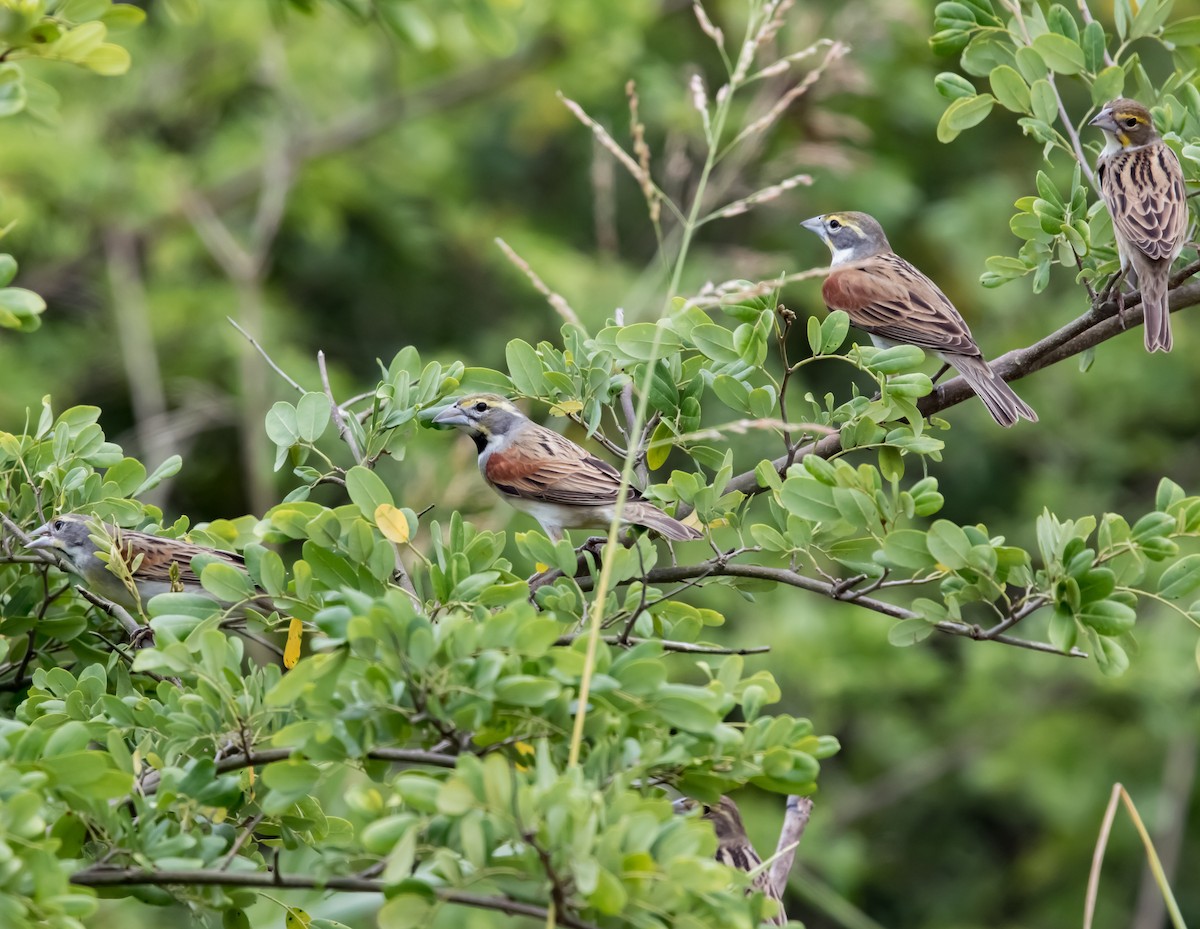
x=483, y=722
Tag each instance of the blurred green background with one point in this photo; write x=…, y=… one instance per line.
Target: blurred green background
x=395, y=141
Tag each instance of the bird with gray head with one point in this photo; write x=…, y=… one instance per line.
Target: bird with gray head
x=1142, y=184
x=152, y=559
x=734, y=848
x=560, y=484
x=896, y=304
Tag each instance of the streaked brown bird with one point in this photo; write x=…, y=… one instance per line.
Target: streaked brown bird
x=734, y=848
x=150, y=557
x=560, y=484
x=1142, y=185
x=896, y=304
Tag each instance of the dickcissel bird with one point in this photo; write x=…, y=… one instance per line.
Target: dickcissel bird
x=1142, y=184
x=560, y=484
x=734, y=848
x=896, y=304
x=151, y=558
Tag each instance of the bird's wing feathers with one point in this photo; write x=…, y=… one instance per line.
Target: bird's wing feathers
x=545, y=466
x=158, y=554
x=1147, y=198
x=888, y=297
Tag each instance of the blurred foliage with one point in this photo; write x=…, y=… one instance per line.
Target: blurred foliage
x=399, y=139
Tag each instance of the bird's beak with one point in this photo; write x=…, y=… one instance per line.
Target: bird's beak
x=451, y=416
x=815, y=224
x=1104, y=120
x=41, y=538
x=682, y=805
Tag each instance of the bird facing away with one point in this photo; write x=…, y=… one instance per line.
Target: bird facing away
x=70, y=535
x=560, y=484
x=1142, y=185
x=734, y=848
x=896, y=304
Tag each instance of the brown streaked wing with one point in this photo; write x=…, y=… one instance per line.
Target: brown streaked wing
x=886, y=296
x=542, y=465
x=1146, y=198
x=158, y=554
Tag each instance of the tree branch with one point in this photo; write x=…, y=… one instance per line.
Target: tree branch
x=795, y=820
x=267, y=755
x=1097, y=325
x=687, y=648
x=135, y=877
x=718, y=567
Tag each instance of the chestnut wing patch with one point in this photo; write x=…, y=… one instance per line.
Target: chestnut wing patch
x=542, y=465
x=1147, y=199
x=886, y=296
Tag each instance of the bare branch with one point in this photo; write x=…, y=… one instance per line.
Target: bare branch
x=556, y=300
x=267, y=358
x=339, y=418
x=795, y=820
x=136, y=877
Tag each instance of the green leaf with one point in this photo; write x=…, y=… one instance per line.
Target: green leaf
x=282, y=427
x=20, y=309
x=107, y=59
x=909, y=632
x=962, y=114
x=637, y=341
x=312, y=416
x=833, y=331
x=1108, y=85
x=953, y=86
x=907, y=548
x=715, y=342
x=1062, y=55
x=1029, y=64
x=225, y=582
x=949, y=544
x=1043, y=101
x=526, y=690
x=1093, y=42
x=896, y=359
x=525, y=368
x=1183, y=31
x=1181, y=579
x=12, y=90
x=294, y=777
x=1010, y=89
x=1108, y=617
x=367, y=491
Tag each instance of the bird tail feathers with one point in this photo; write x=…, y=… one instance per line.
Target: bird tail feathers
x=1000, y=399
x=1156, y=311
x=650, y=516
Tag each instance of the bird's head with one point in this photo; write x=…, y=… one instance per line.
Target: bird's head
x=850, y=236
x=69, y=534
x=484, y=417
x=1126, y=122
x=724, y=815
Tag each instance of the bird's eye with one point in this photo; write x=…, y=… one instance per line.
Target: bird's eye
x=834, y=224
x=1130, y=122
x=58, y=524
x=481, y=407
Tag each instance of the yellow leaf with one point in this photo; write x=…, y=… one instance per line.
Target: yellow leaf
x=661, y=444
x=296, y=918
x=566, y=408
x=291, y=651
x=392, y=523
x=523, y=748
x=541, y=567
x=692, y=520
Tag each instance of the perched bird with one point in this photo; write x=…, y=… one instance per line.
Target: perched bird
x=896, y=304
x=149, y=556
x=733, y=846
x=558, y=483
x=1142, y=184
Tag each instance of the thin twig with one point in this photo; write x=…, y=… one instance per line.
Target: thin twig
x=139, y=636
x=262, y=351
x=556, y=300
x=339, y=419
x=135, y=877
